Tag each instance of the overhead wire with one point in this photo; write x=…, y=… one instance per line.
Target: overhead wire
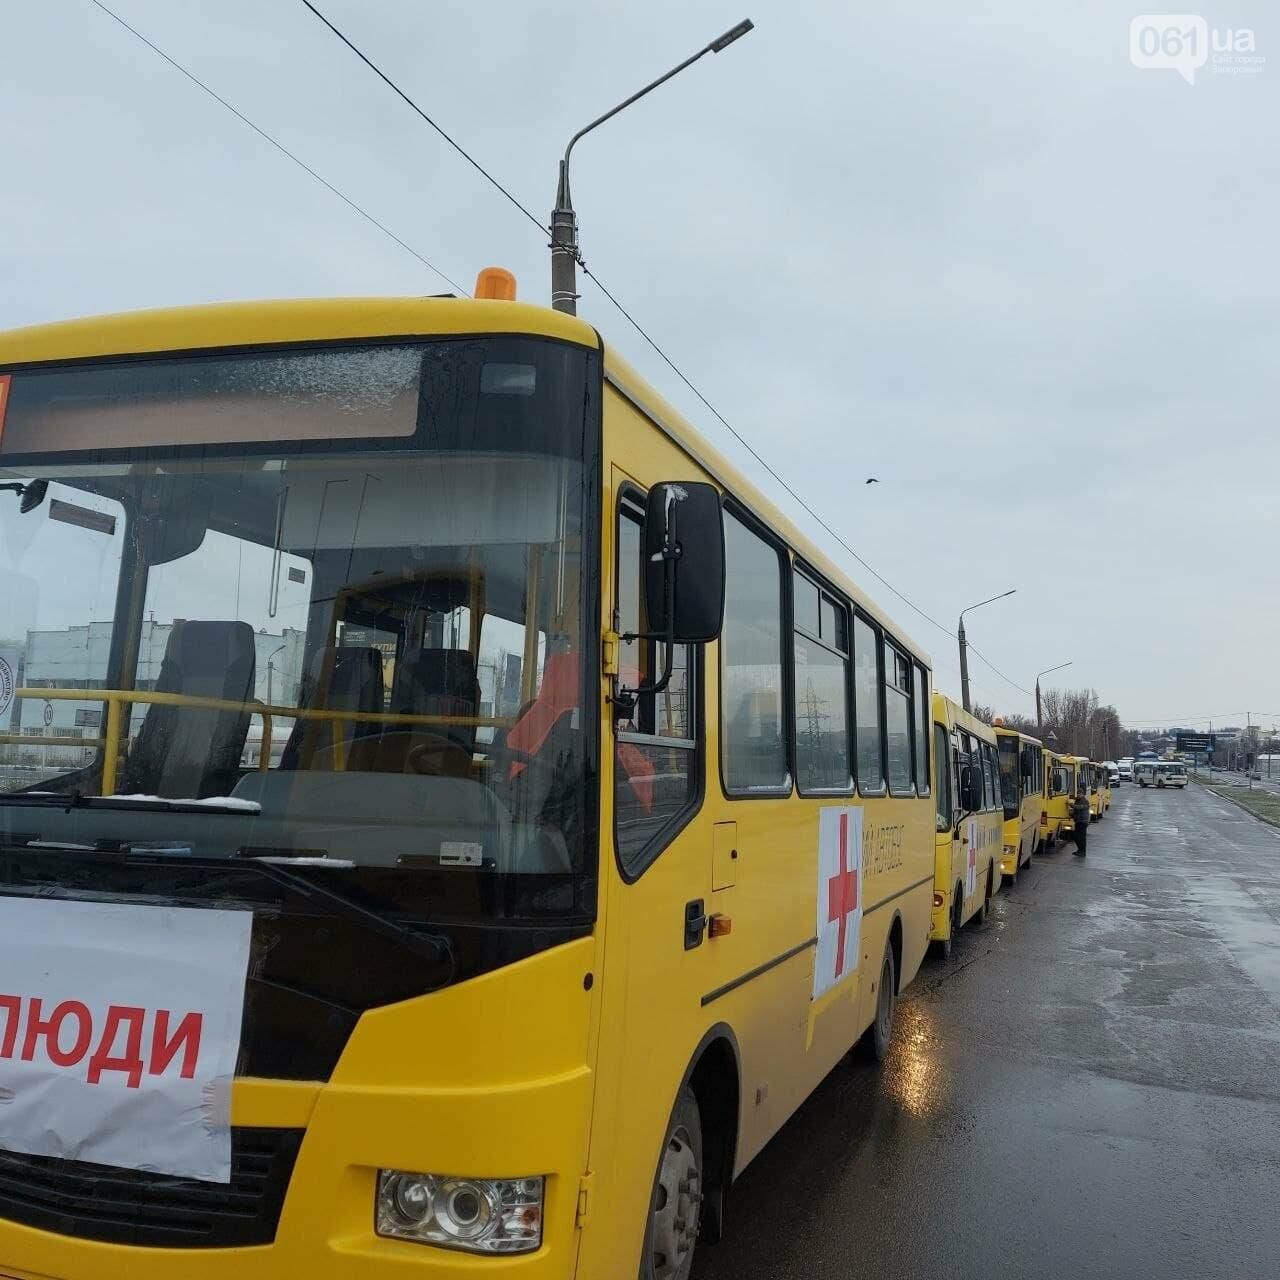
x=382, y=75
x=636, y=325
x=280, y=147
x=592, y=275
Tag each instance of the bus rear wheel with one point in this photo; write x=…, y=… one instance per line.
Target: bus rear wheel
x=875, y=1041
x=984, y=911
x=675, y=1206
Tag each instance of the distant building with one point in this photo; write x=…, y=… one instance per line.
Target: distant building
x=76, y=658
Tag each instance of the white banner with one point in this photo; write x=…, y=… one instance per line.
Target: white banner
x=119, y=1030
x=9, y=661
x=839, y=896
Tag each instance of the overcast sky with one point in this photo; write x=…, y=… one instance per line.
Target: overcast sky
x=969, y=250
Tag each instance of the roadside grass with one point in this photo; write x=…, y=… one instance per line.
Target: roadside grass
x=1262, y=804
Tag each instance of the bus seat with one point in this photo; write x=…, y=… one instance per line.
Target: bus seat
x=557, y=696
x=428, y=682
x=354, y=684
x=194, y=752
x=439, y=682
x=539, y=727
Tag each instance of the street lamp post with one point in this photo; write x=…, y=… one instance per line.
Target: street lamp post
x=564, y=221
x=964, y=647
x=1047, y=671
x=271, y=666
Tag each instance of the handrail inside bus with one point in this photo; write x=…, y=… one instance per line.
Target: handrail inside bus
x=115, y=699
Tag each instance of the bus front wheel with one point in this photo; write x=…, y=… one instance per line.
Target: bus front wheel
x=676, y=1204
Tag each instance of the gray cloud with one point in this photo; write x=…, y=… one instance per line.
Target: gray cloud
x=973, y=252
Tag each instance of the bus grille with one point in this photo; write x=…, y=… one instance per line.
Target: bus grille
x=125, y=1206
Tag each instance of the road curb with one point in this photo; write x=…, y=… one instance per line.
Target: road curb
x=1257, y=817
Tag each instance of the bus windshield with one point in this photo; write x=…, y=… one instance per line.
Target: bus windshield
x=1010, y=793
x=323, y=608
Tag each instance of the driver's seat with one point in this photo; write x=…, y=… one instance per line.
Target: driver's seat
x=428, y=682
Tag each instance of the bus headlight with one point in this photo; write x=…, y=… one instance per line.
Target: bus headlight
x=480, y=1215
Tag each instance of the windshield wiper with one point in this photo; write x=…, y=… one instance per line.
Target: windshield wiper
x=47, y=799
x=270, y=864
x=131, y=804
x=431, y=946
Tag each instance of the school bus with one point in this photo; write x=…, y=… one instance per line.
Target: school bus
x=1022, y=792
x=1060, y=788
x=600, y=834
x=969, y=820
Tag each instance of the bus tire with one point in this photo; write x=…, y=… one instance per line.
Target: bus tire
x=874, y=1045
x=675, y=1203
x=942, y=948
x=980, y=916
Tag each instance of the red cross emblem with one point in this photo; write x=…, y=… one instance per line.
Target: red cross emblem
x=842, y=893
x=973, y=858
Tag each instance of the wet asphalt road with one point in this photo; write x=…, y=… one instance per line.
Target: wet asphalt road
x=1089, y=1087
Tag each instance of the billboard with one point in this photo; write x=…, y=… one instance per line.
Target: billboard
x=1200, y=743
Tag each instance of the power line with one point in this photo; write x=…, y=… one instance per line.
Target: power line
x=1221, y=715
x=805, y=506
x=981, y=658
x=635, y=324
x=466, y=155
x=280, y=147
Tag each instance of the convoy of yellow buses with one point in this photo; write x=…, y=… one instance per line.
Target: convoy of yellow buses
x=595, y=831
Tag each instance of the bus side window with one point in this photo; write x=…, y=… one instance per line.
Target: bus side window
x=921, y=729
x=866, y=706
x=898, y=717
x=657, y=764
x=820, y=661
x=941, y=778
x=991, y=770
x=753, y=741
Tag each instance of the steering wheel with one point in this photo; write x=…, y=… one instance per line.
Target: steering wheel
x=439, y=757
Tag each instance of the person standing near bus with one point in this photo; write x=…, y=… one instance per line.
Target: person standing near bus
x=1080, y=817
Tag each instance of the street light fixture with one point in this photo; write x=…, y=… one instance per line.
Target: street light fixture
x=1047, y=671
x=564, y=222
x=964, y=655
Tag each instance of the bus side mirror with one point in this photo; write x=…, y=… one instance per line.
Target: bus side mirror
x=684, y=562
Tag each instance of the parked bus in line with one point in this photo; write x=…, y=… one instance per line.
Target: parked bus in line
x=1022, y=791
x=537, y=944
x=969, y=820
x=1099, y=789
x=1055, y=810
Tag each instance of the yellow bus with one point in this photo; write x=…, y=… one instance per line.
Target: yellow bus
x=1055, y=809
x=1022, y=791
x=969, y=820
x=600, y=835
x=1099, y=789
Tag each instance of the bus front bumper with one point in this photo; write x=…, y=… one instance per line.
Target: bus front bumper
x=510, y=1099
